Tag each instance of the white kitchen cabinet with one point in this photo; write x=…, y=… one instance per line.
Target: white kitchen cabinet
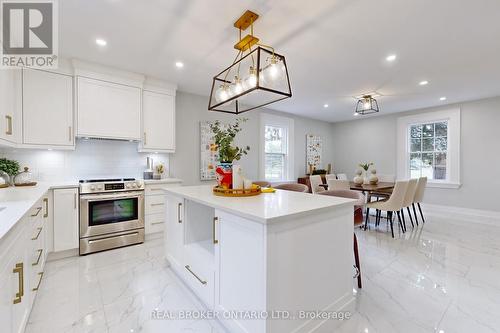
x=158, y=122
x=155, y=207
x=10, y=106
x=174, y=233
x=108, y=110
x=65, y=219
x=47, y=109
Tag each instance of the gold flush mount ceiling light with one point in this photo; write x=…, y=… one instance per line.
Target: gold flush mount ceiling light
x=257, y=77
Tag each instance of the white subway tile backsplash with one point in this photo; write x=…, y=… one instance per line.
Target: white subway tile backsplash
x=91, y=159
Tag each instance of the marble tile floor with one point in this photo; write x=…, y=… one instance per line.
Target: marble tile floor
x=442, y=277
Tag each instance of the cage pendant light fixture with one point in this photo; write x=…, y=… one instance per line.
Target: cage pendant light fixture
x=367, y=105
x=257, y=77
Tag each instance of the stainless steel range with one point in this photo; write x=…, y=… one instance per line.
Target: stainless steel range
x=111, y=214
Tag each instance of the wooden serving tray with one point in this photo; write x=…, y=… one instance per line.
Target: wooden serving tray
x=222, y=192
x=26, y=184
x=4, y=185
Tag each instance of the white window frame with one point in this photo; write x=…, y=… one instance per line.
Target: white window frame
x=452, y=116
x=288, y=124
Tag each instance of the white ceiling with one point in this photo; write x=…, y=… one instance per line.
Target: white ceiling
x=335, y=49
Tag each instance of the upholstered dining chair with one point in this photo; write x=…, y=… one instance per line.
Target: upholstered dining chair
x=315, y=181
x=330, y=176
x=358, y=221
x=337, y=184
x=419, y=197
x=295, y=187
x=262, y=183
x=342, y=176
x=391, y=205
x=408, y=201
x=384, y=193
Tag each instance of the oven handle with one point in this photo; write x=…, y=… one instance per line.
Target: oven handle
x=96, y=197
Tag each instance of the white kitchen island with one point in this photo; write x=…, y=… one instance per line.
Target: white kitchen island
x=283, y=254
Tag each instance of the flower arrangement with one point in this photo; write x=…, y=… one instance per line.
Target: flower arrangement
x=224, y=137
x=365, y=166
x=10, y=167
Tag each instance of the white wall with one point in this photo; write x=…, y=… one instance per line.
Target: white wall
x=91, y=159
x=374, y=139
x=191, y=109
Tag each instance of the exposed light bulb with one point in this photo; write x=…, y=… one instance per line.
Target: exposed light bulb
x=274, y=70
x=237, y=86
x=222, y=93
x=251, y=80
x=367, y=106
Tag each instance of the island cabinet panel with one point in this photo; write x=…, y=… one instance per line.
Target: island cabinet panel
x=174, y=233
x=240, y=270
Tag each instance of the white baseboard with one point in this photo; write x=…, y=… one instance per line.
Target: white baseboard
x=487, y=217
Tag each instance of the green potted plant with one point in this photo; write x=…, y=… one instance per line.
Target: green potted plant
x=365, y=167
x=224, y=136
x=8, y=170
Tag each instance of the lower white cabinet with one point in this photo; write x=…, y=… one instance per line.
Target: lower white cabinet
x=155, y=207
x=22, y=259
x=174, y=232
x=65, y=219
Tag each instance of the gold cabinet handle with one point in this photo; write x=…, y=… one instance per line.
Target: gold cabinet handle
x=74, y=200
x=19, y=269
x=38, y=209
x=40, y=251
x=38, y=234
x=46, y=203
x=9, y=125
x=70, y=134
x=157, y=204
x=196, y=276
x=179, y=206
x=145, y=141
x=155, y=223
x=39, y=281
x=214, y=237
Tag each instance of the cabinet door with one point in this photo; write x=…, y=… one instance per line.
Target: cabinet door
x=7, y=279
x=240, y=272
x=47, y=108
x=174, y=232
x=10, y=103
x=65, y=219
x=108, y=110
x=158, y=121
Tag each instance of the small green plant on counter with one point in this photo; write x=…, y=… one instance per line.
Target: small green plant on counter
x=224, y=137
x=10, y=167
x=365, y=166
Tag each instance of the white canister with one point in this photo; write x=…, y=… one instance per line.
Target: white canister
x=237, y=177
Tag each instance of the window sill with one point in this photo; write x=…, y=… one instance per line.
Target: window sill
x=443, y=185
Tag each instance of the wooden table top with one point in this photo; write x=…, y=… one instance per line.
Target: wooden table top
x=371, y=188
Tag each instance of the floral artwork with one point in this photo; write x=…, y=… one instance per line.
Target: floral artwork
x=314, y=150
x=208, y=152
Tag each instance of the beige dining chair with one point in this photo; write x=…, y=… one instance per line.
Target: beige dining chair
x=419, y=197
x=342, y=176
x=392, y=205
x=315, y=181
x=295, y=187
x=337, y=184
x=408, y=201
x=384, y=193
x=330, y=176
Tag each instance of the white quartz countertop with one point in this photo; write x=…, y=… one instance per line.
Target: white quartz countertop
x=162, y=181
x=15, y=202
x=266, y=207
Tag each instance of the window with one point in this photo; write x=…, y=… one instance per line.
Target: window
x=275, y=147
x=276, y=152
x=429, y=146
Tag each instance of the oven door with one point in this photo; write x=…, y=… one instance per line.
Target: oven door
x=111, y=212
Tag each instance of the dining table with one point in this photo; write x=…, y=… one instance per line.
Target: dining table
x=369, y=188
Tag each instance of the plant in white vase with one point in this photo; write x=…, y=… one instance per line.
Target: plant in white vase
x=366, y=166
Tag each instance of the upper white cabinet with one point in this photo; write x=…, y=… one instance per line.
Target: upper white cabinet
x=108, y=110
x=47, y=109
x=158, y=122
x=10, y=105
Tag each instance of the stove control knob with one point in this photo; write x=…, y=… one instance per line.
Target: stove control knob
x=92, y=187
x=134, y=185
x=139, y=185
x=128, y=186
x=100, y=188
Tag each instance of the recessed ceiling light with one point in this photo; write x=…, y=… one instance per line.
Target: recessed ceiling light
x=101, y=42
x=179, y=64
x=356, y=114
x=442, y=98
x=424, y=83
x=325, y=105
x=391, y=57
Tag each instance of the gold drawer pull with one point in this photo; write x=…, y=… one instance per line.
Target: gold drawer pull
x=39, y=281
x=179, y=206
x=46, y=202
x=196, y=276
x=38, y=234
x=19, y=269
x=214, y=237
x=40, y=251
x=9, y=125
x=155, y=223
x=38, y=209
x=158, y=204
